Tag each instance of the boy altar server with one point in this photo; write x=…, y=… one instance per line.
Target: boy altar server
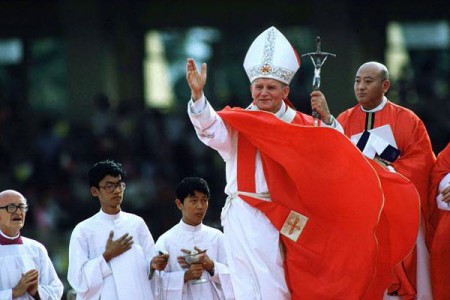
x=179, y=281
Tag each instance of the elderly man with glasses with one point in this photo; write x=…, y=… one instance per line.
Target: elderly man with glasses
x=111, y=254
x=26, y=269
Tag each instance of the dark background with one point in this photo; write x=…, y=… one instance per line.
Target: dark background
x=77, y=94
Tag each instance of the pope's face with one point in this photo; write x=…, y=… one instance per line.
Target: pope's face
x=267, y=94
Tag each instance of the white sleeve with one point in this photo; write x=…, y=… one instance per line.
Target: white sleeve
x=168, y=283
x=222, y=273
x=445, y=182
x=334, y=124
x=209, y=126
x=49, y=287
x=85, y=275
x=148, y=243
x=6, y=294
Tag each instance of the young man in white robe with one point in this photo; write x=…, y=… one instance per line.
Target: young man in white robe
x=111, y=253
x=180, y=279
x=26, y=271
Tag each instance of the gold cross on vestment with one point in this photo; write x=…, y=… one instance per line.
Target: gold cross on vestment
x=294, y=225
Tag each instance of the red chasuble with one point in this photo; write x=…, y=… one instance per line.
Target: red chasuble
x=415, y=163
x=440, y=249
x=327, y=201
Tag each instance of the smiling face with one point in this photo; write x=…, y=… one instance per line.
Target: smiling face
x=11, y=223
x=193, y=208
x=109, y=200
x=267, y=94
x=371, y=83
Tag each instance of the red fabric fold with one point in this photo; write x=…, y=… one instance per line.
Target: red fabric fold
x=440, y=245
x=397, y=233
x=319, y=173
x=415, y=162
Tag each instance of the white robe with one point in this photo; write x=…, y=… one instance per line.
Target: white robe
x=184, y=236
x=18, y=259
x=125, y=276
x=251, y=241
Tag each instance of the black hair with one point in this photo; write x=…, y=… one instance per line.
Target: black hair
x=189, y=185
x=102, y=169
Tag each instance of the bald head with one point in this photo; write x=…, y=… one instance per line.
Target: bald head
x=9, y=196
x=376, y=68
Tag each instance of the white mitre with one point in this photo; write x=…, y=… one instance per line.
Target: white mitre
x=271, y=56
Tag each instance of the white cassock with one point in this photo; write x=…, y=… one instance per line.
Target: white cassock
x=15, y=260
x=125, y=276
x=171, y=282
x=251, y=241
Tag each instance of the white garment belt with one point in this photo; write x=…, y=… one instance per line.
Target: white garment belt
x=226, y=207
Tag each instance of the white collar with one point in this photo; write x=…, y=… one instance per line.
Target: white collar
x=191, y=228
x=106, y=216
x=8, y=237
x=285, y=113
x=280, y=113
x=378, y=108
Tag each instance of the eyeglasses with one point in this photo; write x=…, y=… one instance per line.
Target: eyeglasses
x=12, y=208
x=111, y=187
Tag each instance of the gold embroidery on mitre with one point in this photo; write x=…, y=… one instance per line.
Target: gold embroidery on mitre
x=266, y=69
x=275, y=72
x=293, y=226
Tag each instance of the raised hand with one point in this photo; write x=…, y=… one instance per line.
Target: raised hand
x=117, y=247
x=195, y=79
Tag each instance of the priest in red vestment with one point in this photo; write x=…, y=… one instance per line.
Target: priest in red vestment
x=440, y=246
x=397, y=139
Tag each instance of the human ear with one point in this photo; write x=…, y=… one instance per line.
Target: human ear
x=94, y=191
x=286, y=90
x=179, y=204
x=386, y=85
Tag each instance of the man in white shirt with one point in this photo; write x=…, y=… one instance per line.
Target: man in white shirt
x=26, y=269
x=180, y=279
x=111, y=253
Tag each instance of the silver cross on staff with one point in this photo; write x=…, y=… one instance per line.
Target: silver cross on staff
x=318, y=58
